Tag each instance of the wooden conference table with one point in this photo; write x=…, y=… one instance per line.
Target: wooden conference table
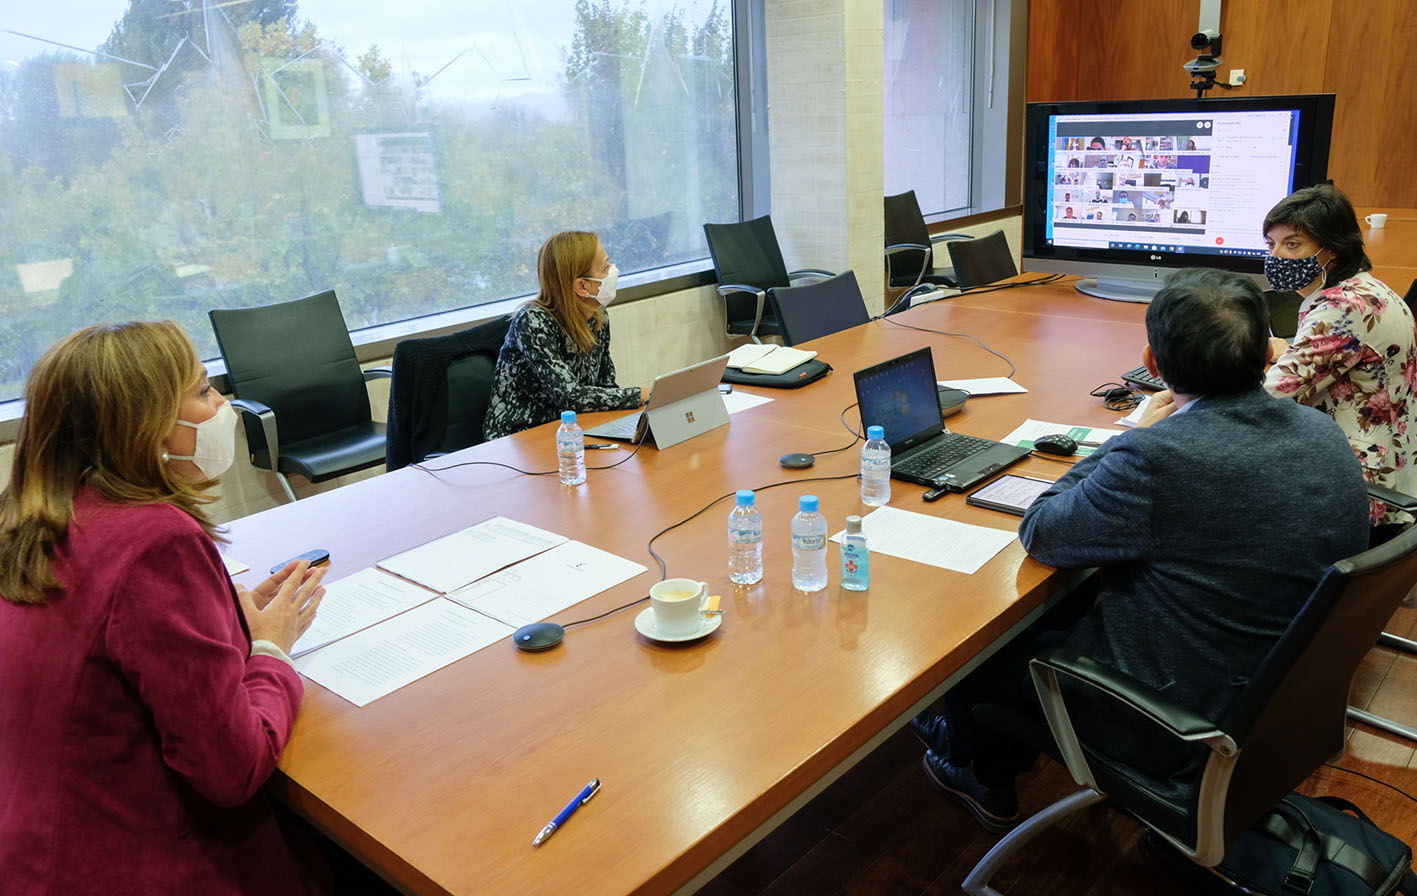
x=701, y=748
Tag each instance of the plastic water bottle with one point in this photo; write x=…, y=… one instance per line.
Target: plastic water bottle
x=745, y=541
x=875, y=468
x=809, y=546
x=570, y=450
x=855, y=557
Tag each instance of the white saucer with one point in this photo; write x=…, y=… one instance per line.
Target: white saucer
x=644, y=624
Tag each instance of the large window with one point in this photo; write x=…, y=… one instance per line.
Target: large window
x=946, y=77
x=159, y=158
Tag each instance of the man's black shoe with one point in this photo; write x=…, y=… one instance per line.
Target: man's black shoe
x=996, y=810
x=929, y=727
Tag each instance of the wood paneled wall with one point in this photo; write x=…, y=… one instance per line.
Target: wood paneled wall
x=1359, y=50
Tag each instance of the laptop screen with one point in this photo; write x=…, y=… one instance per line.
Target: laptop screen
x=900, y=395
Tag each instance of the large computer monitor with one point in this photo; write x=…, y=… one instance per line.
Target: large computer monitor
x=1125, y=192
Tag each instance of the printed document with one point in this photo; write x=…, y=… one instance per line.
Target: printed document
x=1087, y=437
x=989, y=385
x=453, y=561
x=546, y=584
x=378, y=661
x=356, y=602
x=931, y=540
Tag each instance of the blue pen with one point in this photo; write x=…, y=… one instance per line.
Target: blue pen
x=591, y=790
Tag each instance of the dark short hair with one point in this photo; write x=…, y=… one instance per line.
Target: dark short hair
x=1209, y=331
x=1325, y=215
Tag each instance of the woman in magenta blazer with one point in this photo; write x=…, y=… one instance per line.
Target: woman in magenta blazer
x=144, y=701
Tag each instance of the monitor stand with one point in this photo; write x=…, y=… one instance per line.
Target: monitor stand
x=1120, y=289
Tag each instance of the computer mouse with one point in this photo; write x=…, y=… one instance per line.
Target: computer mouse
x=1055, y=443
x=538, y=636
x=797, y=460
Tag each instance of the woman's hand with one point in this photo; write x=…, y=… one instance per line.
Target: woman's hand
x=282, y=607
x=1277, y=347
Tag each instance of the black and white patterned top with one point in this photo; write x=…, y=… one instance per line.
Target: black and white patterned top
x=541, y=372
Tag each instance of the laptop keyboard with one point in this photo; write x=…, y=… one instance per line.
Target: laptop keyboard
x=1141, y=377
x=945, y=452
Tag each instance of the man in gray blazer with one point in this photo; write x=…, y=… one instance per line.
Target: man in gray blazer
x=1210, y=524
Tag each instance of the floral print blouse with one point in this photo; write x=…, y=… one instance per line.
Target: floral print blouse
x=541, y=372
x=1354, y=358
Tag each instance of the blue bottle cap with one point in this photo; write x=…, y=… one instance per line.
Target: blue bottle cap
x=745, y=497
x=568, y=416
x=875, y=432
x=807, y=503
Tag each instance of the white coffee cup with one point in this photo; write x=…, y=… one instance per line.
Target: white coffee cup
x=678, y=606
x=1377, y=220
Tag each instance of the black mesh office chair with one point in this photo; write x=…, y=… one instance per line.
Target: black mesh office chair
x=1406, y=503
x=748, y=263
x=910, y=249
x=818, y=309
x=1287, y=721
x=981, y=261
x=299, y=389
x=441, y=389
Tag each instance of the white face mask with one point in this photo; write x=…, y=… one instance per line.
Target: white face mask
x=216, y=442
x=607, y=286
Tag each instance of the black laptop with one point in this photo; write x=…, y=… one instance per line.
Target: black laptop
x=900, y=395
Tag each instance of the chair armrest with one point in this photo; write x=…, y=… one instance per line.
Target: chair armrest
x=907, y=247
x=378, y=373
x=1181, y=722
x=726, y=288
x=268, y=426
x=810, y=272
x=946, y=237
x=1400, y=500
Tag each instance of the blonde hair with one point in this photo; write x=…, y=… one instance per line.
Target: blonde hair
x=98, y=406
x=563, y=259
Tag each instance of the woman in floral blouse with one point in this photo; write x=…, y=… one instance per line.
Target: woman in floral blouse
x=557, y=353
x=1354, y=355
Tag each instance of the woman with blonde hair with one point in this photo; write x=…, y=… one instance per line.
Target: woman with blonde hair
x=557, y=353
x=144, y=700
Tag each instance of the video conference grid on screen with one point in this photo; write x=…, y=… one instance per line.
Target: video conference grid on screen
x=1175, y=182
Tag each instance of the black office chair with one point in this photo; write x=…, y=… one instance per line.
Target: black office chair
x=1287, y=721
x=748, y=263
x=910, y=249
x=981, y=261
x=1406, y=503
x=818, y=309
x=441, y=389
x=299, y=389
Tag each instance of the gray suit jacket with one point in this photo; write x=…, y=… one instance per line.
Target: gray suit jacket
x=1211, y=528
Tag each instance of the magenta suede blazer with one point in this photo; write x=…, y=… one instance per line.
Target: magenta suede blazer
x=135, y=730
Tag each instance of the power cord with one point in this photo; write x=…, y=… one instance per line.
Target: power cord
x=957, y=335
x=493, y=463
x=1339, y=768
x=1117, y=397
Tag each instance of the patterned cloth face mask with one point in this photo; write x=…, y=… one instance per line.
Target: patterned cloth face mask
x=1292, y=274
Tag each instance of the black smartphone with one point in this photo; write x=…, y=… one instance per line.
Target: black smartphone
x=317, y=557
